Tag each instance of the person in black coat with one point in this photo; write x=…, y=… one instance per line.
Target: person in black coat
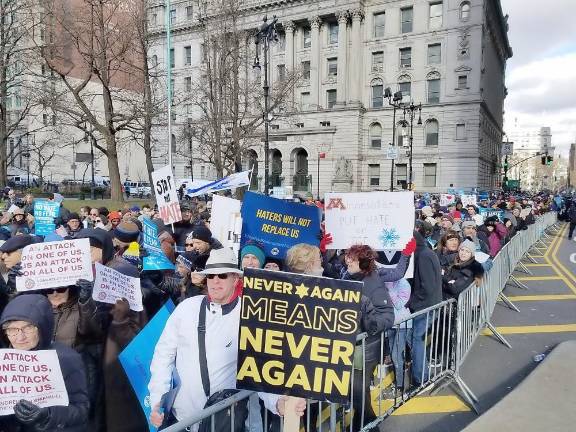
x=464, y=272
x=35, y=309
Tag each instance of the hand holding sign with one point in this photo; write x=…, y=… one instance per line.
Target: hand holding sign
x=31, y=414
x=111, y=286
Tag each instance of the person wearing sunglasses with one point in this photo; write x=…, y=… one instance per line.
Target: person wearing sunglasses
x=27, y=324
x=174, y=352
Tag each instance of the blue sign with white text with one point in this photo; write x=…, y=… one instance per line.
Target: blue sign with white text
x=44, y=214
x=156, y=259
x=277, y=224
x=137, y=357
x=487, y=212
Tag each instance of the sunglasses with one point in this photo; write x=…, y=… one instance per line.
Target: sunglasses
x=219, y=276
x=189, y=245
x=55, y=290
x=98, y=221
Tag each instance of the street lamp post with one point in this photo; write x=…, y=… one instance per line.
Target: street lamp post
x=396, y=102
x=190, y=132
x=266, y=34
x=411, y=110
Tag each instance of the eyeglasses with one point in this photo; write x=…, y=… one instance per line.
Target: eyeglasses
x=93, y=214
x=220, y=276
x=54, y=290
x=28, y=330
x=98, y=221
x=189, y=245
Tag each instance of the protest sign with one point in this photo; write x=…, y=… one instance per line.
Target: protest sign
x=111, y=285
x=297, y=335
x=447, y=199
x=468, y=200
x=382, y=220
x=54, y=264
x=166, y=195
x=31, y=375
x=44, y=214
x=137, y=357
x=226, y=221
x=487, y=212
x=277, y=224
x=156, y=258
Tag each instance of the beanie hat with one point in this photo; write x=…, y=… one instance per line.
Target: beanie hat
x=114, y=215
x=468, y=223
x=126, y=232
x=73, y=216
x=467, y=244
x=253, y=250
x=202, y=233
x=427, y=211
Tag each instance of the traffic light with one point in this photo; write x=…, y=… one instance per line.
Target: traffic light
x=549, y=160
x=544, y=159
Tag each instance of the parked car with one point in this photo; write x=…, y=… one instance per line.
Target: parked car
x=137, y=188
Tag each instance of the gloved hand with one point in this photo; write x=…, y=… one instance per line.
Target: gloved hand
x=12, y=274
x=410, y=247
x=86, y=288
x=120, y=310
x=326, y=240
x=30, y=414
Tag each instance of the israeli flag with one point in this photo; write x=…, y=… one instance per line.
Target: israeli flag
x=233, y=181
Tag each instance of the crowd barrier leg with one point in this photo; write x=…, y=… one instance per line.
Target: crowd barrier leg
x=497, y=334
x=530, y=258
x=523, y=268
x=518, y=283
x=508, y=303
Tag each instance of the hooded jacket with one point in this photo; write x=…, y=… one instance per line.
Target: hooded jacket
x=100, y=239
x=427, y=289
x=459, y=277
x=36, y=309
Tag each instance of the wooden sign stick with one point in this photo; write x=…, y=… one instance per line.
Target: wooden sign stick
x=291, y=419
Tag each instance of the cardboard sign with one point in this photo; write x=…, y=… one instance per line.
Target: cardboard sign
x=226, y=221
x=137, y=357
x=31, y=375
x=468, y=200
x=44, y=214
x=156, y=259
x=381, y=220
x=55, y=264
x=297, y=335
x=166, y=195
x=447, y=199
x=487, y=212
x=111, y=285
x=278, y=225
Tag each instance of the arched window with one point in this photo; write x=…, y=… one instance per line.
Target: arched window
x=376, y=136
x=276, y=173
x=464, y=11
x=405, y=86
x=431, y=131
x=377, y=93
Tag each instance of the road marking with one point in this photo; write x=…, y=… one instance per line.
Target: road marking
x=538, y=278
x=552, y=328
x=424, y=405
x=556, y=264
x=538, y=265
x=550, y=297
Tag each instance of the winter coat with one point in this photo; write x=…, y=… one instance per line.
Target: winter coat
x=446, y=257
x=459, y=277
x=427, y=286
x=36, y=309
x=377, y=317
x=495, y=238
x=101, y=238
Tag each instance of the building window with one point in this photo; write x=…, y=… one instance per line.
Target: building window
x=464, y=11
x=281, y=42
x=376, y=136
x=374, y=174
x=305, y=100
x=435, y=17
x=401, y=174
x=332, y=66
x=434, y=54
x=281, y=72
x=431, y=133
x=434, y=90
x=406, y=15
x=172, y=62
x=45, y=119
x=460, y=131
x=377, y=61
x=332, y=33
x=379, y=19
x=405, y=57
x=377, y=94
x=462, y=82
x=173, y=115
x=306, y=38
x=154, y=60
x=306, y=70
x=153, y=20
x=429, y=175
x=172, y=16
x=324, y=123
x=400, y=132
x=188, y=84
x=330, y=98
x=189, y=12
x=188, y=55
x=406, y=89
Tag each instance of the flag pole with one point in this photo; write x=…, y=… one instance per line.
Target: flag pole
x=169, y=78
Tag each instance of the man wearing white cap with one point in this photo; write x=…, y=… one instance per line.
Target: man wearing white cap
x=180, y=346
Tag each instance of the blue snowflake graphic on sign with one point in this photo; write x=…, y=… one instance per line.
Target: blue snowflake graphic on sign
x=388, y=238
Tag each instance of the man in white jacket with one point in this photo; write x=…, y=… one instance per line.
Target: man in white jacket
x=178, y=345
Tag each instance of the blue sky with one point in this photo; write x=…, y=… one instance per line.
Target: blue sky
x=541, y=76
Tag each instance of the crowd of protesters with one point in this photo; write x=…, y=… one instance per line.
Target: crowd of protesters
x=452, y=248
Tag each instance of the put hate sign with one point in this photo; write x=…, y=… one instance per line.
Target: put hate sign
x=166, y=195
x=54, y=264
x=376, y=219
x=31, y=375
x=297, y=335
x=111, y=285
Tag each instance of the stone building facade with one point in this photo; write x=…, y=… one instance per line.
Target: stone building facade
x=448, y=55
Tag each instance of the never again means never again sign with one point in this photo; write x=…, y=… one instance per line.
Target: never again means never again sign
x=297, y=334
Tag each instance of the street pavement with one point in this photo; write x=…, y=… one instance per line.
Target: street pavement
x=547, y=317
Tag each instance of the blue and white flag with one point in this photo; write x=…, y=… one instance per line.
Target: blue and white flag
x=233, y=181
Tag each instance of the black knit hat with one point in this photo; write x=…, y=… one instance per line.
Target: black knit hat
x=202, y=233
x=73, y=216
